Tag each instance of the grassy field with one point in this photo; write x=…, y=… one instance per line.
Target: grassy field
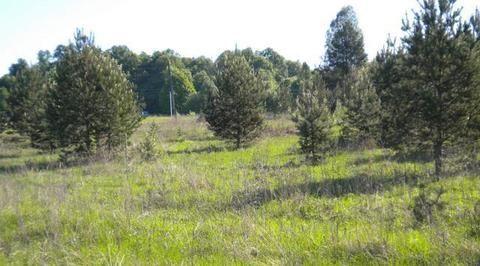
x=201, y=203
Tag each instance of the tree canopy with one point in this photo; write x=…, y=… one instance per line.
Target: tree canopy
x=344, y=46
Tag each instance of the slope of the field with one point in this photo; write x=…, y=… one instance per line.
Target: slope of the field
x=202, y=203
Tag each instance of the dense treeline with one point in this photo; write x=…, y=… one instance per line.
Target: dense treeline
x=420, y=94
x=191, y=78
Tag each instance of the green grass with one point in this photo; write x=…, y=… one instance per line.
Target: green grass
x=201, y=203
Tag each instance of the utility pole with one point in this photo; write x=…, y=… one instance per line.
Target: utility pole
x=173, y=111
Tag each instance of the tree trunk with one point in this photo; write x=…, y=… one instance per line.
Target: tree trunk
x=437, y=155
x=238, y=140
x=313, y=142
x=237, y=144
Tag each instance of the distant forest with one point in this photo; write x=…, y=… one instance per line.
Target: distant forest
x=191, y=77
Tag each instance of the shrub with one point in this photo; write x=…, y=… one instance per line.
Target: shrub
x=475, y=220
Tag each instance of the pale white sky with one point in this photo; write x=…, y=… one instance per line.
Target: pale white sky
x=296, y=29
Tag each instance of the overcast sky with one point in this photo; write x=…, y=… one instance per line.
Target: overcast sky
x=296, y=28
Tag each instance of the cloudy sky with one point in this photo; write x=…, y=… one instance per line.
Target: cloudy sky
x=295, y=28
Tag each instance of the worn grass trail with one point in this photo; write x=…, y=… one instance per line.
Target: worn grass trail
x=202, y=203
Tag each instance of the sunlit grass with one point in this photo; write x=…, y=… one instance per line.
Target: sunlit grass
x=201, y=202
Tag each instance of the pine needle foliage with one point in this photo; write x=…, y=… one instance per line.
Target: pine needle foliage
x=234, y=111
x=93, y=105
x=313, y=119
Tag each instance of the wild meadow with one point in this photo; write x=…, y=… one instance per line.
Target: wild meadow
x=202, y=202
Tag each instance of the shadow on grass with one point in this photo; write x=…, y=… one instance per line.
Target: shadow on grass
x=9, y=156
x=190, y=138
x=30, y=166
x=207, y=149
x=46, y=165
x=361, y=184
x=217, y=147
x=398, y=157
x=261, y=166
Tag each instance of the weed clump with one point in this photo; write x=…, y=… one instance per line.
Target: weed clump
x=426, y=203
x=149, y=146
x=474, y=217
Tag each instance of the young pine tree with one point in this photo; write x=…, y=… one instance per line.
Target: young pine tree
x=312, y=118
x=439, y=75
x=468, y=141
x=234, y=109
x=3, y=108
x=27, y=103
x=92, y=105
x=397, y=102
x=363, y=110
